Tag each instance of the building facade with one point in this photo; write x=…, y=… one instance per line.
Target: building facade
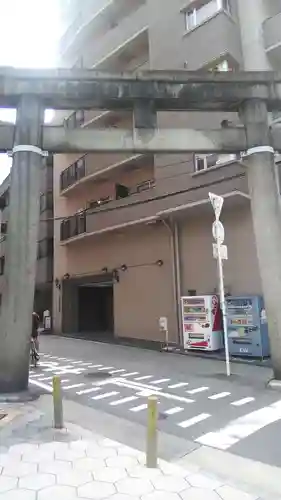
x=133, y=232
x=44, y=274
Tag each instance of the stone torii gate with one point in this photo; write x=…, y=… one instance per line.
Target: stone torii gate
x=250, y=94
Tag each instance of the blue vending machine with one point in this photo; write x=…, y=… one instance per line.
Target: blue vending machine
x=247, y=326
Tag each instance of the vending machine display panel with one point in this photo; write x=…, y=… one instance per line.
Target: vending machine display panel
x=247, y=327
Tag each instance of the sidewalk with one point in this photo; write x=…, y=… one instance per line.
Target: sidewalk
x=40, y=463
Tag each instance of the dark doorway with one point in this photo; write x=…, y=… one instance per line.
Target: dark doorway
x=95, y=310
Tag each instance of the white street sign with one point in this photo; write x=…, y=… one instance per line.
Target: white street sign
x=217, y=203
x=223, y=251
x=218, y=231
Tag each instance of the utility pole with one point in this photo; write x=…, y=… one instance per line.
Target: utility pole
x=21, y=254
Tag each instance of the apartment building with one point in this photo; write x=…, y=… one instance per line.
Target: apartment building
x=134, y=231
x=44, y=274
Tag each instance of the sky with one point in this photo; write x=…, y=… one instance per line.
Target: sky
x=29, y=36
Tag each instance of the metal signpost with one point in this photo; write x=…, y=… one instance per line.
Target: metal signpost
x=220, y=253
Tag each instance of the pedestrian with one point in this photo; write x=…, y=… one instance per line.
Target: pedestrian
x=34, y=332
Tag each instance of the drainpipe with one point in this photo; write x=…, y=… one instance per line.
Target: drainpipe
x=178, y=279
x=175, y=257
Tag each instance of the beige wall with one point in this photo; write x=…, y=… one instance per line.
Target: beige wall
x=197, y=263
x=145, y=290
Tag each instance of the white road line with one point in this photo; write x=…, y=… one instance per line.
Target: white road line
x=144, y=377
x=220, y=395
x=77, y=362
x=173, y=411
x=130, y=374
x=88, y=391
x=105, y=368
x=105, y=395
x=241, y=402
x=95, y=366
x=177, y=386
x=160, y=380
x=199, y=389
x=117, y=371
x=64, y=381
x=73, y=386
x=37, y=375
x=194, y=420
x=242, y=427
x=136, y=409
x=42, y=385
x=44, y=379
x=123, y=401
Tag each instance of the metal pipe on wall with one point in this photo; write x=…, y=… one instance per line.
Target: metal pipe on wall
x=175, y=256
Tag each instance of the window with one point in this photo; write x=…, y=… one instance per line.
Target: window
x=203, y=162
x=46, y=201
x=143, y=186
x=2, y=265
x=198, y=15
x=45, y=248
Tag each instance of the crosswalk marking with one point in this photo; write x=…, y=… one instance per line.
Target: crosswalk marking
x=144, y=377
x=64, y=381
x=136, y=409
x=178, y=385
x=194, y=420
x=123, y=401
x=244, y=401
x=88, y=391
x=130, y=374
x=95, y=366
x=43, y=379
x=117, y=371
x=242, y=427
x=106, y=395
x=105, y=368
x=220, y=395
x=77, y=362
x=173, y=411
x=160, y=380
x=199, y=389
x=73, y=386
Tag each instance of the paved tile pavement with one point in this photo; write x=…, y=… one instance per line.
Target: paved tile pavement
x=39, y=463
x=211, y=412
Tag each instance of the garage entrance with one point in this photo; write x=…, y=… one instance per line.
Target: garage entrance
x=95, y=310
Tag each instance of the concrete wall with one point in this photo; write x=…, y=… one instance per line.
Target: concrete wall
x=198, y=265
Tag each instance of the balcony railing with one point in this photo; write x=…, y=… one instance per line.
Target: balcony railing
x=78, y=223
x=73, y=226
x=272, y=35
x=73, y=173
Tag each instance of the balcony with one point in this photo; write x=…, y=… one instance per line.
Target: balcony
x=128, y=40
x=100, y=167
x=103, y=26
x=217, y=35
x=272, y=37
x=147, y=206
x=73, y=226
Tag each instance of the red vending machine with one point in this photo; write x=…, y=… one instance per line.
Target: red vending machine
x=202, y=323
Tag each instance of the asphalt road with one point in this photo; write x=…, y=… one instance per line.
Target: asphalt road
x=196, y=400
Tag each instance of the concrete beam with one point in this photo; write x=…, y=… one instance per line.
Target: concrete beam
x=170, y=90
x=60, y=140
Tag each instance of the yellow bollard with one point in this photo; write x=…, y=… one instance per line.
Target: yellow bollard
x=151, y=443
x=57, y=399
